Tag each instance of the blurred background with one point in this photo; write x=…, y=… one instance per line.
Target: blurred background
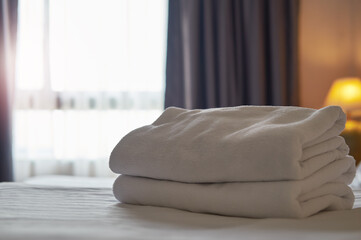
x=77, y=75
x=86, y=73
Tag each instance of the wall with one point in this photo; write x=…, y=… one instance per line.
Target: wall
x=357, y=28
x=330, y=46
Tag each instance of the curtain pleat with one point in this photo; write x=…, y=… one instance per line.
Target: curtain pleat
x=231, y=52
x=8, y=22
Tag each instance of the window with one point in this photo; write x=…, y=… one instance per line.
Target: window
x=87, y=72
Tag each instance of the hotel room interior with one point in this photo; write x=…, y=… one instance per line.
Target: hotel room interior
x=246, y=118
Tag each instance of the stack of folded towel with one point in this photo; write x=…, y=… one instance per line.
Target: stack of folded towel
x=248, y=161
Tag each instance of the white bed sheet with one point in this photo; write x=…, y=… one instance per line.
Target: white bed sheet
x=30, y=212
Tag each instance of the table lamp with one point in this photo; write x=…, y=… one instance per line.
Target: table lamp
x=346, y=93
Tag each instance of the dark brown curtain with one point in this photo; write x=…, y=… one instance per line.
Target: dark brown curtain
x=232, y=52
x=8, y=18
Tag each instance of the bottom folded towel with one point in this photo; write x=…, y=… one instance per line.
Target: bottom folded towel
x=324, y=190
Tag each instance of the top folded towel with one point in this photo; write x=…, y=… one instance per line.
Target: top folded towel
x=246, y=143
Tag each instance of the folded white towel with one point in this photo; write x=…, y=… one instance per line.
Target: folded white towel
x=246, y=143
x=324, y=190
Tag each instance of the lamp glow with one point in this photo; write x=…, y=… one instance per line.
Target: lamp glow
x=345, y=92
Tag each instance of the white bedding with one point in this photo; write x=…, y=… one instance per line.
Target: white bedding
x=33, y=212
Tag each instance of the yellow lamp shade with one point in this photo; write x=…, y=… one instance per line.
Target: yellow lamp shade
x=345, y=92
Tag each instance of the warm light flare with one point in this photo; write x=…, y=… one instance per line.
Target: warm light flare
x=352, y=125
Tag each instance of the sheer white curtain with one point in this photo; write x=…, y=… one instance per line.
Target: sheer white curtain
x=87, y=72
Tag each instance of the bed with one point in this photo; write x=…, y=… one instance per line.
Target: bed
x=81, y=208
